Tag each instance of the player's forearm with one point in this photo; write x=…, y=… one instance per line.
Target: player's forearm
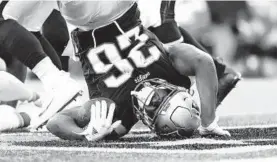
x=12, y=89
x=207, y=84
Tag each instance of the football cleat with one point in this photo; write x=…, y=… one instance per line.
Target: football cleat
x=62, y=95
x=227, y=83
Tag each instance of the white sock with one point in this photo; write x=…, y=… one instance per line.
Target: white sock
x=47, y=72
x=9, y=118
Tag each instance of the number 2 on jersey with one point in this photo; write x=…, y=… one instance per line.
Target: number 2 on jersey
x=115, y=60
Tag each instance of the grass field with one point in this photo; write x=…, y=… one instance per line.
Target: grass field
x=249, y=113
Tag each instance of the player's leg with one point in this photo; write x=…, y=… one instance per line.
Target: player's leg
x=24, y=46
x=17, y=69
x=49, y=50
x=55, y=31
x=11, y=119
x=14, y=67
x=228, y=78
x=12, y=89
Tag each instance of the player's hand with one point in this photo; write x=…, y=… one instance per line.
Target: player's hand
x=35, y=98
x=213, y=130
x=100, y=124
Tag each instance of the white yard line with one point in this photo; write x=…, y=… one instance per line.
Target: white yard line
x=180, y=142
x=235, y=150
x=228, y=127
x=144, y=129
x=271, y=159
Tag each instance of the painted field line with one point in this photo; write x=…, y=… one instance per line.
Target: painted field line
x=147, y=130
x=271, y=159
x=179, y=142
x=235, y=150
x=228, y=127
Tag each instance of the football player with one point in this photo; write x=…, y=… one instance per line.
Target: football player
x=49, y=50
x=159, y=17
x=168, y=110
x=22, y=45
x=116, y=52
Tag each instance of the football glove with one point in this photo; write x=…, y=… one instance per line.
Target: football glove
x=100, y=124
x=214, y=130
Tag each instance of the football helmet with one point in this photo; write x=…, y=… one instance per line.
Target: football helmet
x=167, y=109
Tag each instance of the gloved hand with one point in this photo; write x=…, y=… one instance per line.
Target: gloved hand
x=100, y=124
x=213, y=129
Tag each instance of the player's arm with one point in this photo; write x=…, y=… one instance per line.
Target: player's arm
x=12, y=89
x=190, y=61
x=69, y=124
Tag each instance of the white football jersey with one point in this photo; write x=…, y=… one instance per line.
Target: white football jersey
x=85, y=15
x=30, y=14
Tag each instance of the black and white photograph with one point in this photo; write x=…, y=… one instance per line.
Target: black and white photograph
x=138, y=81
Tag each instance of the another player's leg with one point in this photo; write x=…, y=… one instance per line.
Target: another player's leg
x=49, y=50
x=227, y=77
x=25, y=47
x=12, y=89
x=14, y=67
x=55, y=31
x=17, y=69
x=10, y=119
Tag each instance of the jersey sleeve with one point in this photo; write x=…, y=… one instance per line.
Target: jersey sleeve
x=30, y=14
